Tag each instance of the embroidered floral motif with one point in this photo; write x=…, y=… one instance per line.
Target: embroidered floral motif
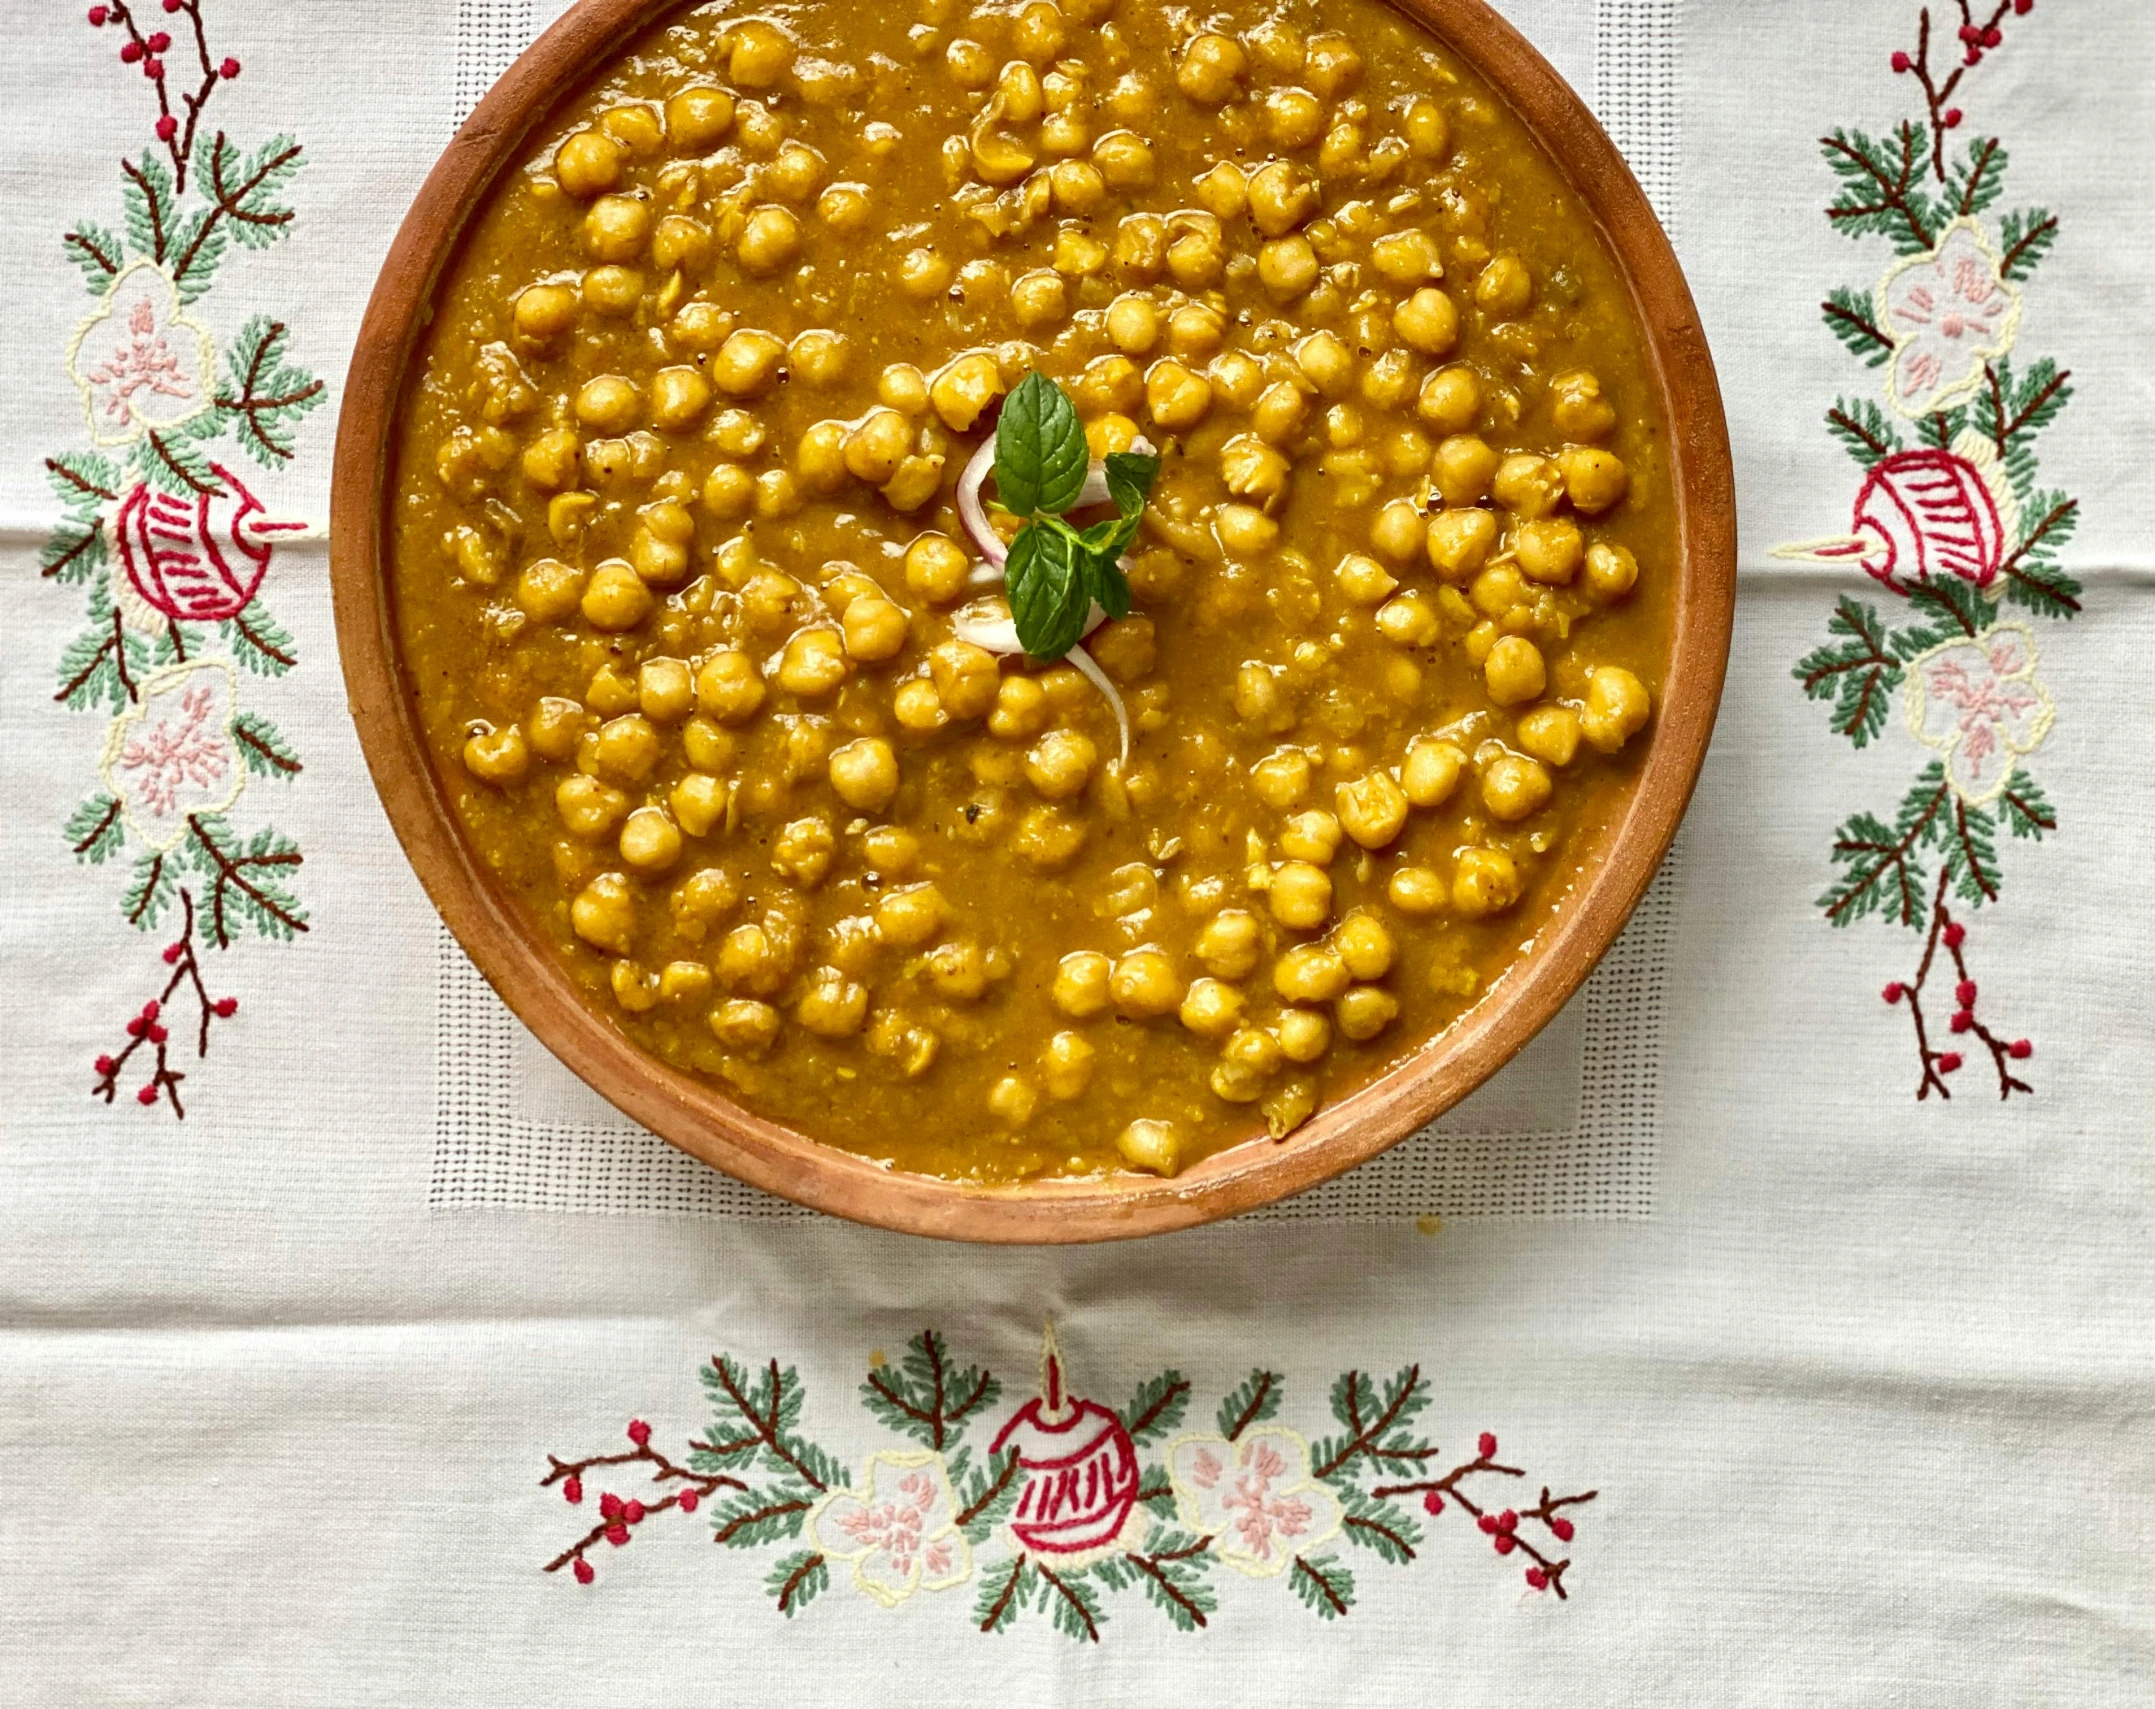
x=1978, y=703
x=1947, y=313
x=1955, y=524
x=1255, y=1498
x=170, y=549
x=902, y=1533
x=1252, y=1495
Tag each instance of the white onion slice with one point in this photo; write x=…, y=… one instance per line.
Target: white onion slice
x=1094, y=491
x=1089, y=667
x=974, y=513
x=987, y=623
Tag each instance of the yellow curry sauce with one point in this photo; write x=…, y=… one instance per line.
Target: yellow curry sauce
x=679, y=562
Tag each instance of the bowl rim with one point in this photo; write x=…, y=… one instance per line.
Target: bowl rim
x=698, y=1118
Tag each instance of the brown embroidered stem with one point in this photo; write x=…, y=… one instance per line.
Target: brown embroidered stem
x=1978, y=168
x=1938, y=94
x=1893, y=193
x=2027, y=241
x=2002, y=430
x=1001, y=1605
x=232, y=874
x=1331, y=1594
x=766, y=1428
x=181, y=143
x=82, y=245
x=155, y=213
x=1840, y=417
x=259, y=643
x=1377, y=1528
x=1365, y=1440
x=149, y=890
x=270, y=757
x=2011, y=567
x=81, y=483
x=1149, y=1565
x=1949, y=933
x=773, y=1510
x=150, y=1027
x=1084, y=1614
x=1000, y=1483
x=1265, y=1380
x=1502, y=1529
x=617, y=1518
x=793, y=1583
x=84, y=843
x=1448, y=1484
x=1144, y=1420
x=114, y=648
x=1148, y=1493
x=205, y=489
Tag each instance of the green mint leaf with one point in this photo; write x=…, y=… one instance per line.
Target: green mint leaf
x=1050, y=586
x=1040, y=451
x=1130, y=475
x=1110, y=539
x=1110, y=589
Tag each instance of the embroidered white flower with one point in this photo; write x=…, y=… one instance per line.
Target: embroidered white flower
x=900, y=1531
x=139, y=361
x=1977, y=701
x=1947, y=312
x=1254, y=1497
x=172, y=754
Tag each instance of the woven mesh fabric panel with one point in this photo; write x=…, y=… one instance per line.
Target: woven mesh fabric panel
x=1567, y=1130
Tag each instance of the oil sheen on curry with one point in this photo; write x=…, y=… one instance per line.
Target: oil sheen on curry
x=705, y=583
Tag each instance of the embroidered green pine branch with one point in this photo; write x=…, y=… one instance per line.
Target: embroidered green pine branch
x=1849, y=317
x=2026, y=235
x=1881, y=191
x=1256, y=1398
x=923, y=1397
x=1375, y=1424
x=1857, y=671
x=1864, y=430
x=265, y=397
x=248, y=887
x=1156, y=1408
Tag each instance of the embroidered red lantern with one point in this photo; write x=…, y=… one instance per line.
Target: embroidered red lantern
x=1920, y=514
x=1079, y=1464
x=196, y=559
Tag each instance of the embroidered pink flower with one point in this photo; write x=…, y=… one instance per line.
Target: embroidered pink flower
x=140, y=362
x=900, y=1532
x=171, y=754
x=1947, y=312
x=1254, y=1497
x=1977, y=701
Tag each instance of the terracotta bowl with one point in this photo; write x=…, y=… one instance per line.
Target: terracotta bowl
x=698, y=1117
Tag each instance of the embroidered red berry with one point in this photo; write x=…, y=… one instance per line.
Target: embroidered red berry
x=688, y=1499
x=172, y=951
x=225, y=1007
x=1962, y=1020
x=167, y=128
x=1488, y=1444
x=1993, y=36
x=105, y=1065
x=584, y=1574
x=1969, y=33
x=2020, y=1049
x=1949, y=1062
x=1955, y=935
x=572, y=1491
x=158, y=1035
x=1894, y=991
x=130, y=52
x=173, y=5
x=2021, y=8
x=98, y=16
x=159, y=41
x=148, y=1094
x=1505, y=1542
x=1487, y=1522
x=1563, y=1529
x=228, y=70
x=1507, y=1521
x=617, y=1535
x=1901, y=62
x=1953, y=117
x=152, y=1009
x=137, y=1027
x=1964, y=993
x=639, y=1432
x=1432, y=1504
x=609, y=1505
x=1537, y=1578
x=154, y=69
x=633, y=1512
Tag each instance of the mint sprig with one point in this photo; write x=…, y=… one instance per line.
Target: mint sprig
x=1056, y=573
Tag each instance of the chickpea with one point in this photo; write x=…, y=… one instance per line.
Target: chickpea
x=865, y=774
x=1365, y=946
x=966, y=678
x=1485, y=882
x=1194, y=330
x=970, y=65
x=616, y=229
x=1211, y=68
x=609, y=403
x=1406, y=258
x=680, y=243
x=604, y=913
x=802, y=851
x=844, y=208
x=833, y=1006
x=875, y=629
x=1427, y=321
x=729, y=687
x=1287, y=267
x=1514, y=671
x=613, y=290
x=698, y=801
x=936, y=568
x=1462, y=469
x=1387, y=382
x=1417, y=890
x=1060, y=764
x=554, y=726
x=874, y=449
x=700, y=326
x=708, y=747
x=497, y=756
x=1143, y=984
x=1153, y=1146
x=1237, y=377
x=777, y=495
x=797, y=173
x=1372, y=808
x=1078, y=186
x=1229, y=944
x=817, y=357
x=744, y=1025
x=1244, y=530
x=912, y=916
x=917, y=707
x=1496, y=591
x=664, y=690
x=958, y=970
x=702, y=900
x=544, y=312
x=761, y=54
x=1077, y=253
x=1039, y=299
x=904, y=388
x=1310, y=973
x=1124, y=159
x=1399, y=533
x=679, y=396
x=1364, y=1012
x=964, y=388
x=588, y=164
x=1594, y=479
x=650, y=842
x=616, y=598
x=747, y=363
x=1175, y=398
x=1224, y=191
x=588, y=808
x=1611, y=570
x=1294, y=118
x=749, y=960
x=1301, y=896
x=1550, y=734
x=1303, y=1034
x=697, y=117
x=1528, y=486
x=547, y=590
x=1428, y=135
x=1211, y=1009
x=813, y=663
x=1459, y=541
x=1505, y=288
x=1549, y=550
x=1514, y=785
x=1081, y=984
x=770, y=239
x=1450, y=399
x=1281, y=198
x=1335, y=63
x=1617, y=706
x=1577, y=406
x=1066, y=1065
x=626, y=748
x=1311, y=836
x=1432, y=771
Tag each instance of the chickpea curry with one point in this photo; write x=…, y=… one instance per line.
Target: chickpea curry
x=720, y=564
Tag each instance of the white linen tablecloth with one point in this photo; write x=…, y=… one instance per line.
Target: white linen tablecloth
x=1860, y=1383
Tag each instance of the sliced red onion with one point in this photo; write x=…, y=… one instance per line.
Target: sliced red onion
x=1094, y=491
x=988, y=625
x=974, y=513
